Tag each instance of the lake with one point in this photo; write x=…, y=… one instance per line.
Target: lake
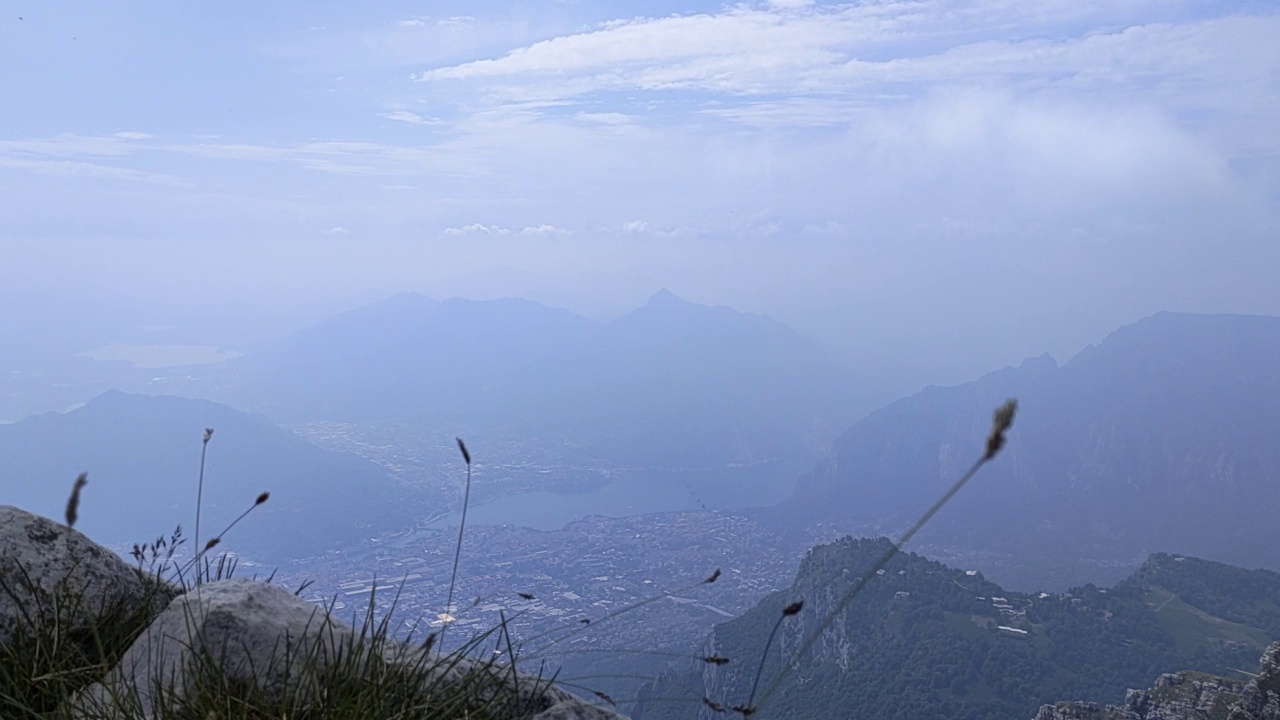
x=640, y=492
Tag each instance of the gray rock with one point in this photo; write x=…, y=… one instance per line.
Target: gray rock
x=48, y=569
x=1260, y=699
x=1136, y=702
x=1189, y=696
x=520, y=696
x=1268, y=679
x=261, y=637
x=253, y=634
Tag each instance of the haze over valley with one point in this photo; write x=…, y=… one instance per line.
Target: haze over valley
x=1106, y=463
x=777, y=359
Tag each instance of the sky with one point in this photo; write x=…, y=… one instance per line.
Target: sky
x=939, y=187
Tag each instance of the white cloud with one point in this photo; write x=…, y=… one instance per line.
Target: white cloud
x=606, y=118
x=69, y=145
x=477, y=229
x=841, y=118
x=409, y=117
x=134, y=135
x=347, y=158
x=337, y=230
x=830, y=228
x=97, y=171
x=430, y=39
x=456, y=21
x=774, y=65
x=634, y=44
x=545, y=230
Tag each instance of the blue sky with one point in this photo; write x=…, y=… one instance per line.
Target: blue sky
x=873, y=172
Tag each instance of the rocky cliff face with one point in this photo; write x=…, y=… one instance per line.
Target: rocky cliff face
x=1161, y=436
x=1189, y=696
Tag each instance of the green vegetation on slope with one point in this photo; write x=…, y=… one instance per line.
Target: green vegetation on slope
x=1246, y=597
x=927, y=641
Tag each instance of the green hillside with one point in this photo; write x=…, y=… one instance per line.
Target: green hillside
x=927, y=641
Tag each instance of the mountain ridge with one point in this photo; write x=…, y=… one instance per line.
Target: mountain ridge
x=1159, y=436
x=925, y=640
x=643, y=387
x=142, y=453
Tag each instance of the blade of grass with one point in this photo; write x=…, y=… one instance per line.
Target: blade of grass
x=1002, y=420
x=457, y=550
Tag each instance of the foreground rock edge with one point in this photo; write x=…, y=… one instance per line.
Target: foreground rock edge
x=257, y=632
x=1189, y=696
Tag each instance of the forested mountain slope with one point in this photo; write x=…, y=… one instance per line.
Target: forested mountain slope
x=927, y=641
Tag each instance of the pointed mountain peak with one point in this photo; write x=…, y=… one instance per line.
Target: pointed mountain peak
x=112, y=395
x=666, y=298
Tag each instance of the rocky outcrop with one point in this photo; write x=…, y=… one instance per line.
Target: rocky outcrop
x=1188, y=696
x=252, y=634
x=274, y=647
x=49, y=569
x=249, y=640
x=1261, y=697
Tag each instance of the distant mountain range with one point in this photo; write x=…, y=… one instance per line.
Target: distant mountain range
x=1164, y=436
x=142, y=454
x=923, y=641
x=671, y=383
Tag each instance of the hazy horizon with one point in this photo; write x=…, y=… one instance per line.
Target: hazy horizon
x=934, y=189
x=220, y=338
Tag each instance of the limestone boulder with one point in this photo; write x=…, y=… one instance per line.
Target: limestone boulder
x=254, y=635
x=275, y=647
x=50, y=572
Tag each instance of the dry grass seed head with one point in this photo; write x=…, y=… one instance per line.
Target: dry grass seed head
x=73, y=502
x=1001, y=421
